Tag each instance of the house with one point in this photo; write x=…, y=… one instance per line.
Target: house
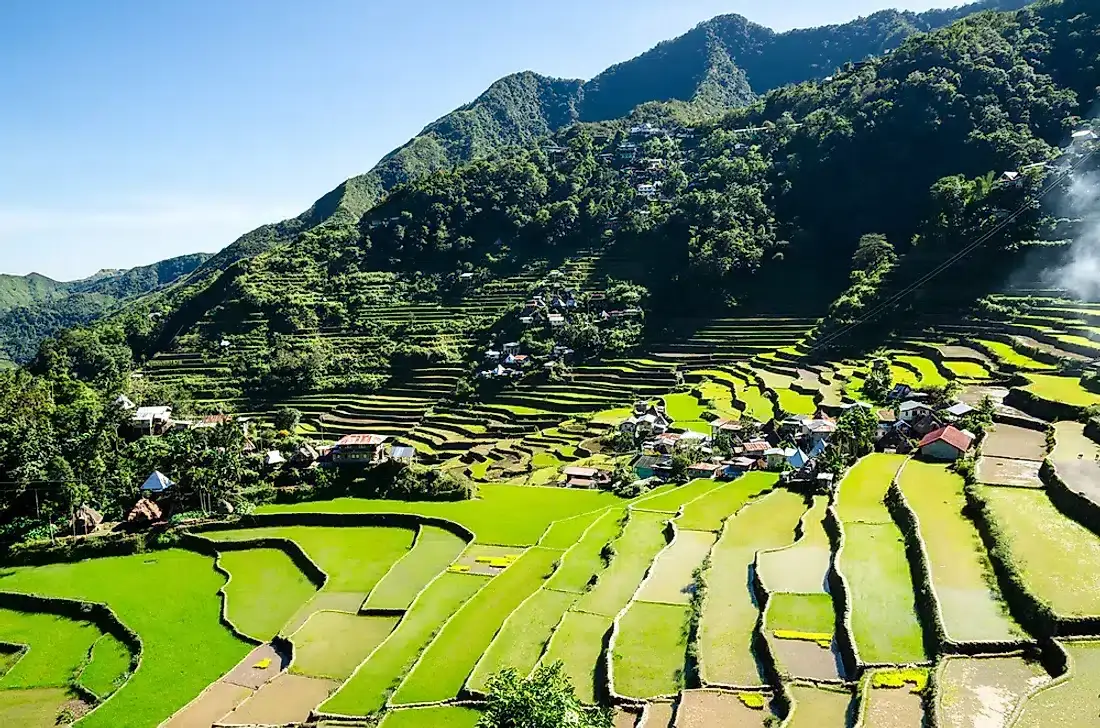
x=755, y=449
x=578, y=477
x=798, y=460
x=692, y=438
x=144, y=513
x=724, y=426
x=157, y=482
x=946, y=443
x=899, y=393
x=648, y=190
x=1084, y=135
x=925, y=423
x=511, y=347
x=911, y=410
x=207, y=422
x=705, y=470
x=124, y=403
x=274, y=459
x=818, y=430
x=492, y=355
x=556, y=319
x=86, y=520
x=649, y=466
x=403, y=454
x=151, y=420
x=959, y=410
x=886, y=422
x=737, y=466
x=360, y=449
x=647, y=420
x=1010, y=177
x=777, y=457
x=305, y=456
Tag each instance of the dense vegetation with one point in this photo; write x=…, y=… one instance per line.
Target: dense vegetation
x=34, y=307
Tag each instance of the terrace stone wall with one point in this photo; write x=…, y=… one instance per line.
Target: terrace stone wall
x=1070, y=503
x=838, y=587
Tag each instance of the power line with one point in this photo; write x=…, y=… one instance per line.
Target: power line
x=892, y=301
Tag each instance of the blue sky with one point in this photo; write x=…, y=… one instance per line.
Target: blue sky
x=136, y=130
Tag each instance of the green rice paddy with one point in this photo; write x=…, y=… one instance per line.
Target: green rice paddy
x=265, y=590
x=650, y=649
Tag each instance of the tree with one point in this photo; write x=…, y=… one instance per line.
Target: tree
x=544, y=700
x=287, y=418
x=855, y=431
x=879, y=381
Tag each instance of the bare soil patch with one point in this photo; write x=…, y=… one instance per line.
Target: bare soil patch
x=894, y=708
x=974, y=393
x=261, y=665
x=711, y=709
x=216, y=702
x=803, y=658
x=1077, y=459
x=286, y=699
x=625, y=719
x=982, y=693
x=658, y=715
x=1008, y=471
x=951, y=351
x=1009, y=441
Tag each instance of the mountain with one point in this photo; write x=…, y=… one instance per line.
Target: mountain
x=764, y=209
x=722, y=63
x=34, y=307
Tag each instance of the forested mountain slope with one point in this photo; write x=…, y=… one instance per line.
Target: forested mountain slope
x=722, y=63
x=34, y=307
x=761, y=210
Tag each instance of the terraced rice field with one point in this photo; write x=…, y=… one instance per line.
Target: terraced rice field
x=1076, y=459
x=984, y=691
x=1061, y=389
x=1073, y=702
x=962, y=575
x=1058, y=558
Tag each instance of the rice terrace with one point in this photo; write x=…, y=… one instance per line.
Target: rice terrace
x=751, y=383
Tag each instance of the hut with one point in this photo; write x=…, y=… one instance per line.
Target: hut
x=144, y=513
x=157, y=482
x=86, y=520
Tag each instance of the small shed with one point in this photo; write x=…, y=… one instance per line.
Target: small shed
x=145, y=512
x=86, y=519
x=157, y=482
x=403, y=454
x=274, y=458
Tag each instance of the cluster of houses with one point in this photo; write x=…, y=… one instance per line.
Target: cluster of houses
x=1082, y=142
x=794, y=445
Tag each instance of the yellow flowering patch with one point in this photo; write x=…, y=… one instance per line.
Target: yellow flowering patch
x=756, y=701
x=263, y=664
x=822, y=638
x=459, y=569
x=915, y=676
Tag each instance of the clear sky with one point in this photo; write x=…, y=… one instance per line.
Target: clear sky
x=136, y=130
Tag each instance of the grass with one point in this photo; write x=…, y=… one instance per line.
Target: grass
x=585, y=560
x=864, y=487
x=34, y=708
x=546, y=459
x=366, y=691
x=673, y=500
x=444, y=716
x=578, y=644
x=1058, y=558
x=642, y=539
x=265, y=589
x=442, y=670
x=109, y=667
x=57, y=648
x=650, y=650
x=332, y=644
x=801, y=612
x=1061, y=389
x=884, y=619
x=709, y=512
x=967, y=369
x=170, y=599
x=929, y=374
x=522, y=640
x=510, y=515
x=355, y=559
x=683, y=406
x=730, y=613
x=1006, y=354
x=433, y=551
x=962, y=575
x=1071, y=704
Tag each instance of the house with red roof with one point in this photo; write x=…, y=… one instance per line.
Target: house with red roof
x=360, y=449
x=946, y=443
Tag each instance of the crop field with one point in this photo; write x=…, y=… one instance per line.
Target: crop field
x=887, y=706
x=710, y=511
x=1073, y=703
x=433, y=551
x=1076, y=459
x=650, y=650
x=967, y=369
x=670, y=580
x=722, y=709
x=822, y=707
x=1010, y=441
x=265, y=590
x=961, y=572
x=578, y=644
x=641, y=541
x=730, y=613
x=984, y=691
x=447, y=716
x=875, y=567
x=1061, y=389
x=1058, y=558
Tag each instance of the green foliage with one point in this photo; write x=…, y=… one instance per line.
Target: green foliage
x=543, y=700
x=855, y=432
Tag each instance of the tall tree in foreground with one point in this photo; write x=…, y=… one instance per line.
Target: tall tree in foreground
x=544, y=700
